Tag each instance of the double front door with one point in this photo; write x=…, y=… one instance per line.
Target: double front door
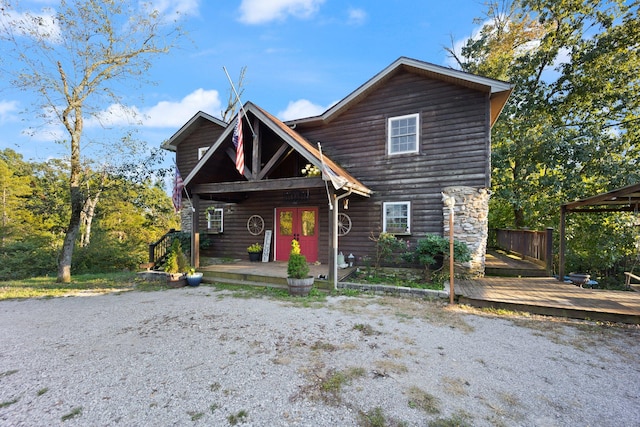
x=300, y=224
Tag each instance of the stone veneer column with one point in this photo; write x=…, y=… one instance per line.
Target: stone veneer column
x=470, y=223
x=186, y=216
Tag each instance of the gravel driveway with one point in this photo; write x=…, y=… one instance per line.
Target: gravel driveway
x=199, y=356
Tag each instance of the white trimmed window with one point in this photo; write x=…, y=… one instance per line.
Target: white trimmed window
x=396, y=217
x=202, y=151
x=215, y=220
x=403, y=134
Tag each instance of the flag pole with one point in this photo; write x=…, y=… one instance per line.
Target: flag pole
x=253, y=134
x=184, y=189
x=326, y=185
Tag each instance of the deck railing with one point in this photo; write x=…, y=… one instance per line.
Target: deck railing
x=158, y=250
x=535, y=246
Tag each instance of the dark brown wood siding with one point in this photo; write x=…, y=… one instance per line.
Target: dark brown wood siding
x=205, y=135
x=454, y=150
x=235, y=239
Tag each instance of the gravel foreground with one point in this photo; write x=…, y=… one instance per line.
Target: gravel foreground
x=199, y=356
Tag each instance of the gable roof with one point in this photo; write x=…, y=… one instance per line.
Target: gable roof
x=187, y=129
x=498, y=91
x=292, y=138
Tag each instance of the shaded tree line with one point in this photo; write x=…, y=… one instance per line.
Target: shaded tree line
x=571, y=128
x=120, y=217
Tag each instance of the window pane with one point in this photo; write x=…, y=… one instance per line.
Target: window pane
x=403, y=135
x=308, y=223
x=286, y=223
x=397, y=217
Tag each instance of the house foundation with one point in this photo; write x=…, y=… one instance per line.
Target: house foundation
x=471, y=224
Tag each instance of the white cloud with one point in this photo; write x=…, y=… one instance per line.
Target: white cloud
x=173, y=8
x=357, y=16
x=163, y=114
x=301, y=108
x=262, y=11
x=7, y=110
x=37, y=25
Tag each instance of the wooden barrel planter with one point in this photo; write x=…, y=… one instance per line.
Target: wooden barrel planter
x=300, y=287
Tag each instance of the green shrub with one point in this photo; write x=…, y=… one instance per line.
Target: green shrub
x=388, y=249
x=431, y=251
x=297, y=267
x=176, y=259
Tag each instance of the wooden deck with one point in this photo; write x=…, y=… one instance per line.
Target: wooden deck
x=548, y=296
x=499, y=263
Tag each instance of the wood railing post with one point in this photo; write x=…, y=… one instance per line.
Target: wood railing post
x=549, y=251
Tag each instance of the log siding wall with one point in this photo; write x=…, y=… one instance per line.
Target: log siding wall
x=454, y=150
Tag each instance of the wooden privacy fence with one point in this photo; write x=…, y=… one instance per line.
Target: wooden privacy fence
x=531, y=245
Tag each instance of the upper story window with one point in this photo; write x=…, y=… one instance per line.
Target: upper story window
x=215, y=220
x=202, y=151
x=403, y=134
x=396, y=217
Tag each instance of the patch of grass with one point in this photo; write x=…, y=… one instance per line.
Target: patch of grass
x=390, y=366
x=396, y=277
x=455, y=386
x=459, y=419
x=215, y=386
x=75, y=412
x=8, y=403
x=7, y=373
x=195, y=416
x=327, y=386
x=213, y=407
x=237, y=418
x=42, y=391
x=373, y=418
x=323, y=346
x=47, y=287
x=420, y=399
x=365, y=329
x=348, y=292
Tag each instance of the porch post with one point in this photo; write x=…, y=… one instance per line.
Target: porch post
x=332, y=245
x=563, y=244
x=195, y=232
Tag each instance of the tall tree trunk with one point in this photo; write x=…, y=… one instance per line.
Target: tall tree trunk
x=66, y=255
x=72, y=119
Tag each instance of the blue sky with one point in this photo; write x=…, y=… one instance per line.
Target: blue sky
x=301, y=57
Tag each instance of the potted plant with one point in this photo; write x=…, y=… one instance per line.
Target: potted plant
x=193, y=278
x=255, y=252
x=300, y=283
x=175, y=265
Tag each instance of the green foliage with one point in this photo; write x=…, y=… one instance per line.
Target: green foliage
x=32, y=256
x=388, y=249
x=432, y=247
x=571, y=128
x=297, y=267
x=255, y=248
x=176, y=260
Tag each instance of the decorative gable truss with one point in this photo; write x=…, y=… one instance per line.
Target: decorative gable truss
x=274, y=157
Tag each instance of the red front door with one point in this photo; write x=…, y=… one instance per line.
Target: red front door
x=300, y=224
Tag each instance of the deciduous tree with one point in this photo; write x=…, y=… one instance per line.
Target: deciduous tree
x=77, y=60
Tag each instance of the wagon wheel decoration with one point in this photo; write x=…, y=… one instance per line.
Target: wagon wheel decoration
x=255, y=224
x=344, y=224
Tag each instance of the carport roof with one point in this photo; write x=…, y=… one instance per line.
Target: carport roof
x=626, y=199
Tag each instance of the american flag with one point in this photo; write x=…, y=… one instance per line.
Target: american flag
x=239, y=144
x=178, y=185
